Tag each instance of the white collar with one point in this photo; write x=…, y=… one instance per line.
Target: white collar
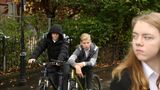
x=86, y=50
x=148, y=70
x=54, y=41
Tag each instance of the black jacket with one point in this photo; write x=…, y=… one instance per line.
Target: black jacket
x=123, y=84
x=55, y=50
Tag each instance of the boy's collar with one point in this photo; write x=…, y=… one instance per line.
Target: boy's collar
x=54, y=41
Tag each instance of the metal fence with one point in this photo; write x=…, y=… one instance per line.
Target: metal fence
x=10, y=52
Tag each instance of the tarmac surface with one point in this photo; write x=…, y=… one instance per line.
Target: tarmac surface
x=32, y=81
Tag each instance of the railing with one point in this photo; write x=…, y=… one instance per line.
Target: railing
x=10, y=52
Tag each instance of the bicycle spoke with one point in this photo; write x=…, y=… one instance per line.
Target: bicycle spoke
x=96, y=85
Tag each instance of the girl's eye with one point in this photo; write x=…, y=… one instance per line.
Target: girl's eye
x=148, y=37
x=134, y=36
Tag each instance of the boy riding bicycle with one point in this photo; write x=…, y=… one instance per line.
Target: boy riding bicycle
x=84, y=59
x=57, y=49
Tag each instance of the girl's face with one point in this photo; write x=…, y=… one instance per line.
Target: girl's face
x=55, y=36
x=146, y=41
x=86, y=44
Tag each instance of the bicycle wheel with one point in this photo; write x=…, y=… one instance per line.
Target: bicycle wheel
x=42, y=87
x=96, y=84
x=43, y=84
x=72, y=85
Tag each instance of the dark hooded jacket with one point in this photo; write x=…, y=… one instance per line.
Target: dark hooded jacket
x=55, y=50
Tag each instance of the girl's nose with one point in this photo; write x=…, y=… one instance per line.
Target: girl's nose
x=139, y=41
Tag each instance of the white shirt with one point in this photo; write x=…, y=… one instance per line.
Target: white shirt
x=86, y=52
x=54, y=41
x=151, y=75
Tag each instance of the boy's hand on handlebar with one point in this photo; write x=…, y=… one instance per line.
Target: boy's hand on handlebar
x=31, y=61
x=78, y=70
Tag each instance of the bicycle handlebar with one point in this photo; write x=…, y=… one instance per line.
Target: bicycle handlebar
x=54, y=62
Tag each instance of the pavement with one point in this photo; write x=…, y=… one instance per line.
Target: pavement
x=32, y=81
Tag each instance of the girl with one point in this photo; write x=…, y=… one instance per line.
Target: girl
x=141, y=67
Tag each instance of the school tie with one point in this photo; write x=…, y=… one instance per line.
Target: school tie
x=158, y=82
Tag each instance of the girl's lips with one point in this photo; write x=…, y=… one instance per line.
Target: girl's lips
x=139, y=51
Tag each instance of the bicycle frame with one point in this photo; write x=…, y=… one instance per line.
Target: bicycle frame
x=78, y=85
x=45, y=79
x=74, y=76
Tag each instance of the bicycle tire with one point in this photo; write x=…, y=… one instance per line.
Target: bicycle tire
x=72, y=85
x=96, y=83
x=43, y=84
x=42, y=87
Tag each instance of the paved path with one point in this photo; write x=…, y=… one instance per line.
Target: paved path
x=104, y=74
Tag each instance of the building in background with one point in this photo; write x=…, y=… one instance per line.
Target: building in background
x=3, y=6
x=9, y=7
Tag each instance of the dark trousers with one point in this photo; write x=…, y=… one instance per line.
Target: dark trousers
x=87, y=71
x=54, y=76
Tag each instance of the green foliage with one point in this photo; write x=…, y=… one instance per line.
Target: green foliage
x=35, y=24
x=74, y=28
x=9, y=26
x=106, y=20
x=118, y=15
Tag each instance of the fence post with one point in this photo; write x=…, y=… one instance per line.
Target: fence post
x=49, y=23
x=4, y=53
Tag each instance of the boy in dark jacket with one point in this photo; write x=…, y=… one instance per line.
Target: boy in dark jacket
x=57, y=49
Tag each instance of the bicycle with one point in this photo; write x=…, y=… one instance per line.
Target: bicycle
x=43, y=83
x=75, y=84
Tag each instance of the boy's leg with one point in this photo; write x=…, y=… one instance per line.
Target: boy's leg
x=65, y=82
x=53, y=79
x=89, y=74
x=66, y=71
x=53, y=76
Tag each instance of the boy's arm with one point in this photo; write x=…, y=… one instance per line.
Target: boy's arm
x=64, y=52
x=72, y=62
x=41, y=46
x=73, y=57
